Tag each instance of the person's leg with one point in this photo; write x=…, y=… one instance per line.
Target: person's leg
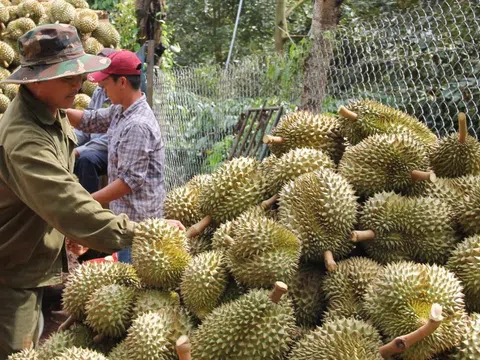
x=19, y=319
x=125, y=256
x=89, y=166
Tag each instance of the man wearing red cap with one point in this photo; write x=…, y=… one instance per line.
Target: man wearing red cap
x=135, y=146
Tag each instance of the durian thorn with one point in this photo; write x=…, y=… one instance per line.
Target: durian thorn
x=270, y=139
x=228, y=239
x=98, y=338
x=402, y=343
x=5, y=64
x=344, y=112
x=267, y=204
x=462, y=128
x=278, y=291
x=67, y=324
x=330, y=263
x=184, y=348
x=362, y=235
x=418, y=175
x=198, y=228
x=28, y=15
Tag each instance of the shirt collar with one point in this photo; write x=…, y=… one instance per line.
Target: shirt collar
x=38, y=108
x=132, y=108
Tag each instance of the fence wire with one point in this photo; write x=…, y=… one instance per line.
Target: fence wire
x=424, y=61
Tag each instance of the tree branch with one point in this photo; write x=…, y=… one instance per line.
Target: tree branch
x=292, y=9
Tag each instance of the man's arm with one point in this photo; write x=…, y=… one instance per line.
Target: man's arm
x=112, y=191
x=91, y=121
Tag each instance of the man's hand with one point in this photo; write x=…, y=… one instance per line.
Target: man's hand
x=75, y=248
x=77, y=154
x=175, y=223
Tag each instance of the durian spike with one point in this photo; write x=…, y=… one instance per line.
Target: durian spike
x=67, y=324
x=98, y=338
x=278, y=291
x=418, y=175
x=270, y=139
x=330, y=263
x=198, y=228
x=5, y=64
x=362, y=235
x=343, y=111
x=462, y=128
x=228, y=239
x=267, y=204
x=402, y=343
x=184, y=348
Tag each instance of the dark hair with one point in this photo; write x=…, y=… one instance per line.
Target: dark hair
x=134, y=80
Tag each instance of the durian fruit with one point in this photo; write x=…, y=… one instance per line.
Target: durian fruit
x=293, y=164
x=4, y=16
x=303, y=129
x=233, y=188
x=469, y=347
x=85, y=20
x=4, y=102
x=31, y=9
x=202, y=242
x=307, y=295
x=344, y=288
x=457, y=154
x=263, y=251
x=403, y=296
x=92, y=46
x=10, y=90
x=18, y=27
x=396, y=227
x=465, y=263
x=255, y=326
x=7, y=54
x=109, y=310
x=119, y=352
x=204, y=282
x=12, y=9
x=342, y=338
x=320, y=208
x=76, y=353
x=385, y=163
x=160, y=253
x=79, y=4
x=468, y=210
x=16, y=57
x=81, y=101
x=363, y=118
x=78, y=335
x=88, y=277
x=107, y=35
x=4, y=73
x=88, y=88
x=62, y=12
x=27, y=354
x=151, y=300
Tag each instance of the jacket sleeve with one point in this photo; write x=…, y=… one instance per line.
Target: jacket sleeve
x=40, y=180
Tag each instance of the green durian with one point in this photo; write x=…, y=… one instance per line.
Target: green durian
x=85, y=20
x=469, y=346
x=465, y=263
x=469, y=210
x=107, y=35
x=160, y=253
x=363, y=118
x=76, y=353
x=92, y=46
x=79, y=4
x=341, y=338
x=204, y=282
x=88, y=88
x=385, y=163
x=10, y=90
x=16, y=56
x=31, y=9
x=4, y=16
x=119, y=352
x=26, y=354
x=202, y=242
x=7, y=54
x=18, y=27
x=81, y=101
x=320, y=208
x=4, y=102
x=399, y=300
x=153, y=300
x=62, y=11
x=78, y=335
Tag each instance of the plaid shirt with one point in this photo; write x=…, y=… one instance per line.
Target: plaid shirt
x=136, y=154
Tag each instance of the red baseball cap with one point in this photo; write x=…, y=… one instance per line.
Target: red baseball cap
x=123, y=62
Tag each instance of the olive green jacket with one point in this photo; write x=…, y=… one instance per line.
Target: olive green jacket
x=40, y=200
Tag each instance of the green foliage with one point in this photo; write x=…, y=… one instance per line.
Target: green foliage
x=108, y=5
x=124, y=19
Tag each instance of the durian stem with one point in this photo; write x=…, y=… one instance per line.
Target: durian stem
x=278, y=291
x=198, y=228
x=462, y=128
x=67, y=324
x=98, y=338
x=418, y=175
x=5, y=64
x=267, y=204
x=362, y=235
x=270, y=139
x=343, y=111
x=184, y=348
x=402, y=343
x=330, y=263
x=2, y=26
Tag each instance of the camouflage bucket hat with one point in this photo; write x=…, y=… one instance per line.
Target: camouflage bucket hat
x=53, y=51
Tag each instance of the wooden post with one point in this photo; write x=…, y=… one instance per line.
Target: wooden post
x=150, y=74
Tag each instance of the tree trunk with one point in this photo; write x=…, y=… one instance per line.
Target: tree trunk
x=280, y=26
x=326, y=15
x=150, y=28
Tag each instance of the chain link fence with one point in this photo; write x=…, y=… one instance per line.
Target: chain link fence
x=424, y=61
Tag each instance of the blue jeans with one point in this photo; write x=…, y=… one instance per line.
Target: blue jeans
x=125, y=256
x=89, y=166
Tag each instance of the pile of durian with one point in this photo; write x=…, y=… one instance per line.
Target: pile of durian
x=20, y=16
x=358, y=238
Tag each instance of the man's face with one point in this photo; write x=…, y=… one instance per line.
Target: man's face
x=114, y=90
x=58, y=93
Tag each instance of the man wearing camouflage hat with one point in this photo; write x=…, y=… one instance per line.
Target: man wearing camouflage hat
x=40, y=201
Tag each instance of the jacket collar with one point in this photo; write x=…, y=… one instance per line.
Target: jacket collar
x=38, y=108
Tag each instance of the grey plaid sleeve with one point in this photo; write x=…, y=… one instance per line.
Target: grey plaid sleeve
x=96, y=121
x=133, y=155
